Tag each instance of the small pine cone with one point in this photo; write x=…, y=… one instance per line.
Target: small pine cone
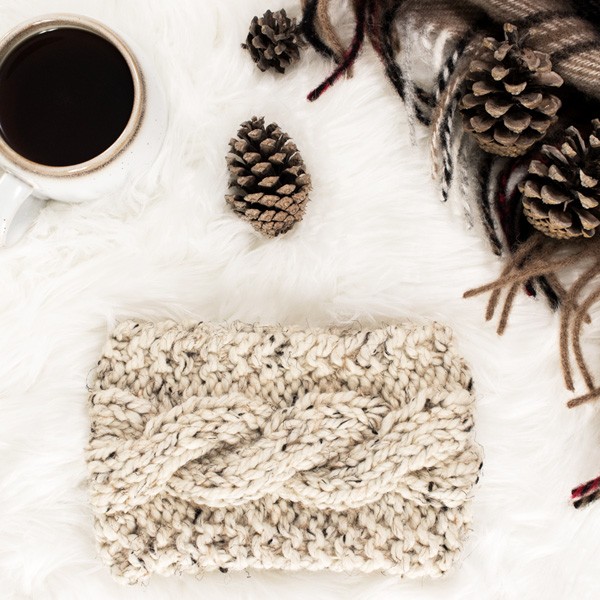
x=561, y=194
x=268, y=179
x=509, y=105
x=274, y=41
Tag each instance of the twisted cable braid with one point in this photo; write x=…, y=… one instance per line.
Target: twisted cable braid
x=234, y=446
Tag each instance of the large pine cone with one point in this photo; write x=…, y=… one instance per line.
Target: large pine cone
x=274, y=41
x=509, y=105
x=268, y=179
x=561, y=193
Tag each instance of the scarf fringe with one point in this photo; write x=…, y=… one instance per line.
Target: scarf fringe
x=541, y=257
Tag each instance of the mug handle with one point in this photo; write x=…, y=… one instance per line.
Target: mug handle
x=13, y=194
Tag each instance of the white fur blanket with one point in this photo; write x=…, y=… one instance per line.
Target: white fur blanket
x=375, y=245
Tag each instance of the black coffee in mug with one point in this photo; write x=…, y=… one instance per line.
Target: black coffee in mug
x=66, y=95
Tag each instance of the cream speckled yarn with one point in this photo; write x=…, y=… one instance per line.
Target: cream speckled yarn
x=235, y=446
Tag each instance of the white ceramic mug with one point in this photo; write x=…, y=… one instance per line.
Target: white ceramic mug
x=25, y=184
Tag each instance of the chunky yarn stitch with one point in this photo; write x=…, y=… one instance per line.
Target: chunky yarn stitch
x=235, y=446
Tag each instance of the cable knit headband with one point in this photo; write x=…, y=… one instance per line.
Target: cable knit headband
x=235, y=446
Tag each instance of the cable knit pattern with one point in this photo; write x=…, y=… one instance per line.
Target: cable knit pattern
x=235, y=446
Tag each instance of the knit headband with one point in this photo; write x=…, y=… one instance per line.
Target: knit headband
x=235, y=446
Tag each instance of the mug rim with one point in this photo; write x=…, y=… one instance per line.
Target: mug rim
x=46, y=23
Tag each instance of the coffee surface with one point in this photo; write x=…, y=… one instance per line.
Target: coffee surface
x=66, y=95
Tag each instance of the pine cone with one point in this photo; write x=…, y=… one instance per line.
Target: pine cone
x=508, y=105
x=561, y=193
x=268, y=179
x=274, y=41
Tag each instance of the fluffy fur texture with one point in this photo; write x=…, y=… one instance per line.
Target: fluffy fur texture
x=375, y=244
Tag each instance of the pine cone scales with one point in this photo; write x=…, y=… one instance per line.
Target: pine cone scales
x=561, y=194
x=273, y=41
x=509, y=106
x=268, y=179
